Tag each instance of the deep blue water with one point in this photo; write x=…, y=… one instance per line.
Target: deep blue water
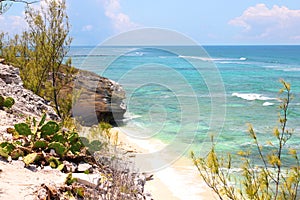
x=187, y=93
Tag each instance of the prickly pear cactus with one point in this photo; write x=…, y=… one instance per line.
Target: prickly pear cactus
x=8, y=102
x=49, y=129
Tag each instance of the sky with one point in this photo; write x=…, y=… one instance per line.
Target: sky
x=210, y=22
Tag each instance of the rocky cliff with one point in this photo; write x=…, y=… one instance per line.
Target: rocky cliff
x=26, y=102
x=100, y=99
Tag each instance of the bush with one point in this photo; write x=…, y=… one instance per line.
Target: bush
x=6, y=102
x=40, y=54
x=270, y=180
x=44, y=143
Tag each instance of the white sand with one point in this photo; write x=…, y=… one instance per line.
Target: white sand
x=18, y=182
x=180, y=180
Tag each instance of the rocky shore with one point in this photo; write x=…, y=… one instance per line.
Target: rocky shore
x=26, y=102
x=94, y=180
x=100, y=99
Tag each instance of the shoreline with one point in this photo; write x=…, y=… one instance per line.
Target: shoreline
x=177, y=181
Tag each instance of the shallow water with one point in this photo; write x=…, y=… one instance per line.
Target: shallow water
x=179, y=99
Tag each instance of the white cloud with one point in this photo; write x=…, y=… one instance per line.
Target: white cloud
x=12, y=24
x=16, y=24
x=87, y=28
x=121, y=22
x=260, y=22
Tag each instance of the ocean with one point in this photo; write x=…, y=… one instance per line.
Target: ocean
x=182, y=95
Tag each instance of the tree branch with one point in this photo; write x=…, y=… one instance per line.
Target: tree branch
x=21, y=1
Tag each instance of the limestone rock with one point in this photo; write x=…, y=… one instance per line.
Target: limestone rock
x=69, y=166
x=101, y=99
x=82, y=167
x=91, y=180
x=26, y=102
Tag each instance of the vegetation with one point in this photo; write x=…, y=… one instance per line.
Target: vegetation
x=39, y=53
x=49, y=143
x=7, y=102
x=269, y=180
x=42, y=143
x=103, y=130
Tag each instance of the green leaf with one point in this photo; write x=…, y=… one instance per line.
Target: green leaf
x=49, y=129
x=94, y=146
x=30, y=158
x=8, y=102
x=40, y=144
x=84, y=140
x=59, y=148
x=52, y=164
x=73, y=138
x=58, y=138
x=7, y=147
x=3, y=152
x=42, y=120
x=75, y=148
x=23, y=129
x=60, y=167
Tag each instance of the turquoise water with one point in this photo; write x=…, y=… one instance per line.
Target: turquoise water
x=191, y=96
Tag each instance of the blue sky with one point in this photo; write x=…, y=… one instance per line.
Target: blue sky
x=209, y=22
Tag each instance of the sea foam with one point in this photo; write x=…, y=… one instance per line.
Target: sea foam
x=268, y=104
x=252, y=96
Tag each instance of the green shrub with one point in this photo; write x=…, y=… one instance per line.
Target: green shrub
x=7, y=102
x=272, y=179
x=40, y=52
x=35, y=142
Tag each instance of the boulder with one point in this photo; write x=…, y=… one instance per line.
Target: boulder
x=100, y=99
x=83, y=167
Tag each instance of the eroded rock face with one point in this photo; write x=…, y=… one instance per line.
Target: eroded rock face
x=26, y=102
x=100, y=99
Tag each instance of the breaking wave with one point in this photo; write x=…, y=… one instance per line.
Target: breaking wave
x=252, y=96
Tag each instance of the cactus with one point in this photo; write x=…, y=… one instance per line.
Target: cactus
x=40, y=144
x=94, y=146
x=6, y=148
x=33, y=141
x=49, y=129
x=30, y=158
x=8, y=102
x=3, y=153
x=54, y=162
x=59, y=148
x=23, y=129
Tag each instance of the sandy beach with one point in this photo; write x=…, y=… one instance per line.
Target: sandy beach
x=177, y=181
